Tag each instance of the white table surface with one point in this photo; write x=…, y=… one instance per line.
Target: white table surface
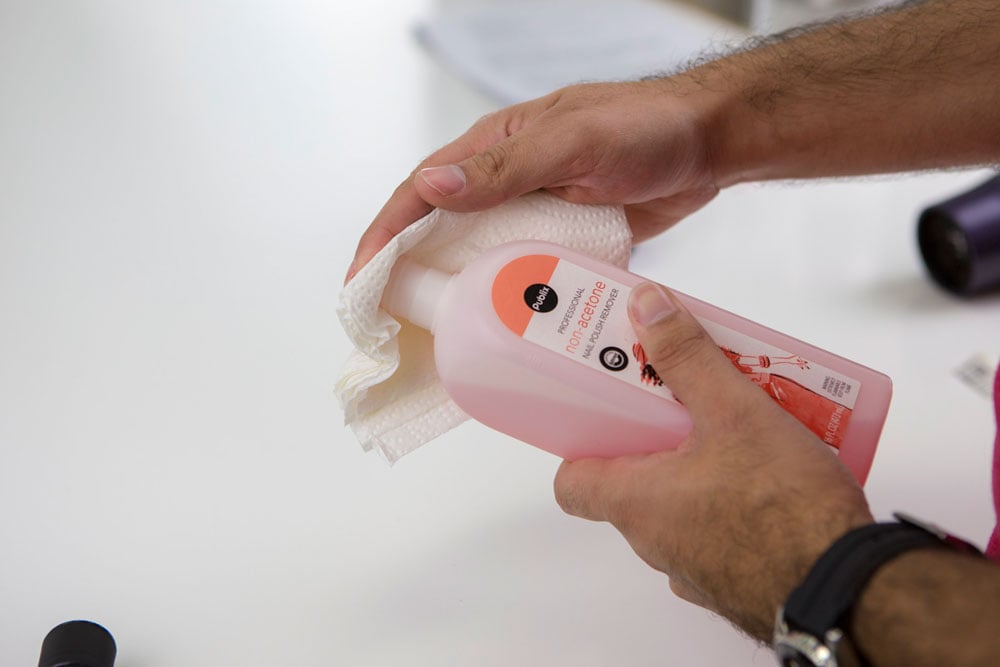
x=181, y=188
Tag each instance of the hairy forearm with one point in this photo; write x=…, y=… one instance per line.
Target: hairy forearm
x=909, y=88
x=931, y=607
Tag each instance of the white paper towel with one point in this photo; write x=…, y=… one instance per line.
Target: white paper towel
x=389, y=389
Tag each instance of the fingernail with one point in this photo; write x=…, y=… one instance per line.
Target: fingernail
x=649, y=304
x=448, y=180
x=351, y=270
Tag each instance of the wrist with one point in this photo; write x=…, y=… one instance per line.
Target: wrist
x=803, y=549
x=732, y=117
x=929, y=607
x=818, y=624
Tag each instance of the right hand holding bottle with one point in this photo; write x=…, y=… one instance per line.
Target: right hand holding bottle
x=639, y=144
x=739, y=512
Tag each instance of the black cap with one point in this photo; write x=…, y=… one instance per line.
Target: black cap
x=960, y=240
x=78, y=644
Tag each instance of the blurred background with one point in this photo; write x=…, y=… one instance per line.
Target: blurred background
x=515, y=50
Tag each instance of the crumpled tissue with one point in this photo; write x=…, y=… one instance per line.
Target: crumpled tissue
x=388, y=388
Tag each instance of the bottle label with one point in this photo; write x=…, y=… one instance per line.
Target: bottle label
x=583, y=315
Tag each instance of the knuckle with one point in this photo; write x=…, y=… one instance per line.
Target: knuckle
x=682, y=344
x=494, y=163
x=487, y=120
x=566, y=493
x=583, y=490
x=566, y=500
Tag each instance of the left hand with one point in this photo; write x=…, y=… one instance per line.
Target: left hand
x=643, y=145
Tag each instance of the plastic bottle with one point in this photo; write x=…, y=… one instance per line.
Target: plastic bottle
x=78, y=644
x=533, y=340
x=960, y=240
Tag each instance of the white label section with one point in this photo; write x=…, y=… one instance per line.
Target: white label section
x=764, y=363
x=590, y=324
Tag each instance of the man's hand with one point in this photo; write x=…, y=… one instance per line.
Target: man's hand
x=641, y=144
x=740, y=511
x=851, y=97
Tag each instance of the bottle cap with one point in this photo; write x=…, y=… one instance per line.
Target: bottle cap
x=78, y=644
x=960, y=240
x=414, y=291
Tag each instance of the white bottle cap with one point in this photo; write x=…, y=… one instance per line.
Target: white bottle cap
x=414, y=291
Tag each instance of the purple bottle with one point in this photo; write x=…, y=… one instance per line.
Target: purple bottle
x=960, y=240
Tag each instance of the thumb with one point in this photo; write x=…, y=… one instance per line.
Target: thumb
x=528, y=160
x=682, y=353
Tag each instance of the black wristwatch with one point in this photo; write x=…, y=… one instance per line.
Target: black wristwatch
x=810, y=626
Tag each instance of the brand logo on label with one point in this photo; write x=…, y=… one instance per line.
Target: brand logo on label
x=614, y=358
x=541, y=298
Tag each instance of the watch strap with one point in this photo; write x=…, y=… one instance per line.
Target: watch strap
x=837, y=579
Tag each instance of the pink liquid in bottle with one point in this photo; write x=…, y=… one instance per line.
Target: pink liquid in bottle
x=533, y=340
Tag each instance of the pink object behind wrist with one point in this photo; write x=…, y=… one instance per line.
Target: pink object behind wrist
x=993, y=548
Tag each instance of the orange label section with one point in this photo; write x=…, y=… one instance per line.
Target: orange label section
x=511, y=282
